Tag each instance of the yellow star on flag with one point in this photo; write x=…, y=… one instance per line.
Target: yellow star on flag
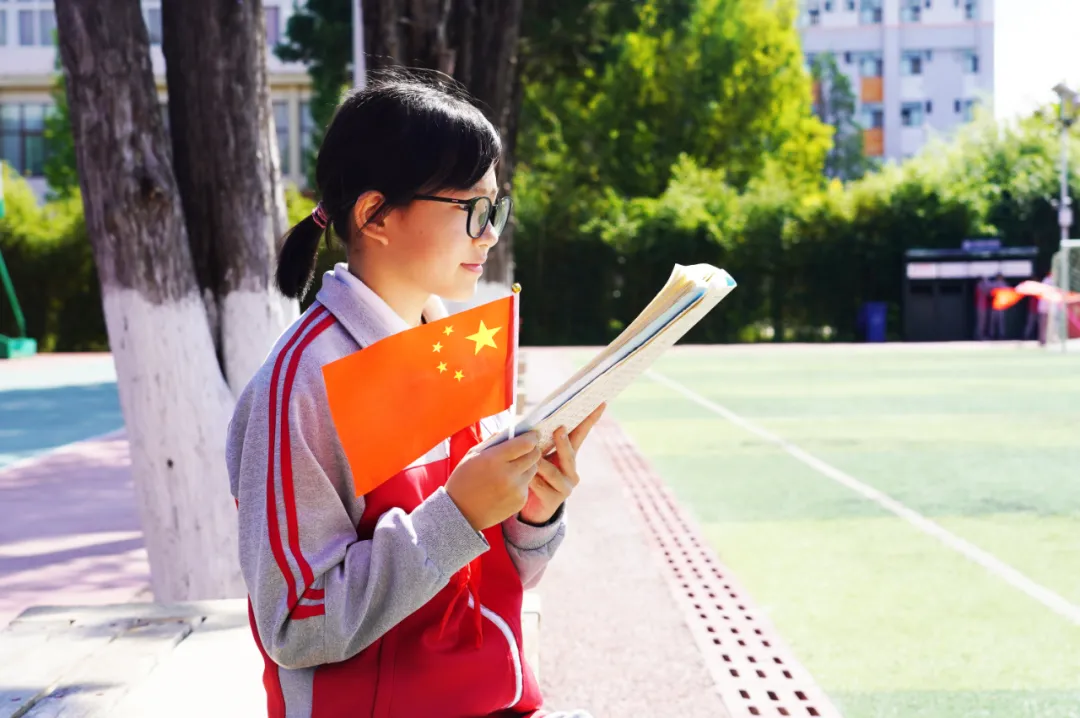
x=458, y=375
x=441, y=367
x=448, y=331
x=436, y=347
x=484, y=337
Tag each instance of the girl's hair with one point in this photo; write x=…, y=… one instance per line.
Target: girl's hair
x=405, y=133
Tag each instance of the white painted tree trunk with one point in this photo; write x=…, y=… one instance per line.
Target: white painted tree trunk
x=177, y=409
x=251, y=323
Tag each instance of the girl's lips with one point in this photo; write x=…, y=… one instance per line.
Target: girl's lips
x=476, y=268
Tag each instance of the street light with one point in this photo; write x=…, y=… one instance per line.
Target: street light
x=1067, y=117
x=359, y=61
x=1069, y=102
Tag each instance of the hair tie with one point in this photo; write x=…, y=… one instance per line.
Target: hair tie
x=319, y=215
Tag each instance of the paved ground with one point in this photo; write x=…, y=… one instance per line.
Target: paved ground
x=614, y=640
x=68, y=529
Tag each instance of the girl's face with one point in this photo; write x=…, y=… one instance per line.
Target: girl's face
x=428, y=246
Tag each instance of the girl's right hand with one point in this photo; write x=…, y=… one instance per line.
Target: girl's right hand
x=492, y=485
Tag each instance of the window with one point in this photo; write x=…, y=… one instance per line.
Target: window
x=873, y=118
x=849, y=5
x=814, y=15
x=281, y=123
x=911, y=11
x=971, y=62
x=26, y=28
x=929, y=107
x=307, y=129
x=965, y=108
x=911, y=114
x=22, y=138
x=48, y=28
x=153, y=25
x=971, y=9
x=911, y=63
x=3, y=27
x=847, y=58
x=871, y=66
x=273, y=25
x=870, y=12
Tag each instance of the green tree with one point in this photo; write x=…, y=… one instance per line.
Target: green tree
x=60, y=170
x=835, y=105
x=319, y=34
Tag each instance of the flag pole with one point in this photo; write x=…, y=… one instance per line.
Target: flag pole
x=516, y=293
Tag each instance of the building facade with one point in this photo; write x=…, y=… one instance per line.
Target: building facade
x=918, y=67
x=28, y=58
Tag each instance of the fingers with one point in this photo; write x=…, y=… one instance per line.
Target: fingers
x=555, y=480
x=526, y=465
x=577, y=436
x=515, y=448
x=567, y=456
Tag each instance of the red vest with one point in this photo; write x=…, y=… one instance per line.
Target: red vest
x=454, y=657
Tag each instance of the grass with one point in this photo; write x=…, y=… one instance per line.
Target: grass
x=891, y=622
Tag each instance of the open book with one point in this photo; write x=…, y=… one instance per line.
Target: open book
x=690, y=293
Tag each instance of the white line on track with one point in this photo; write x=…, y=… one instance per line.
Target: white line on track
x=991, y=563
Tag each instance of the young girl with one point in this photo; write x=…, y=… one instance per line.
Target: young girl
x=405, y=601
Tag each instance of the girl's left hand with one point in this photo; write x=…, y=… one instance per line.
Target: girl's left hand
x=557, y=476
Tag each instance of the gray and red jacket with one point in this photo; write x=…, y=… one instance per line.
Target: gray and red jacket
x=387, y=604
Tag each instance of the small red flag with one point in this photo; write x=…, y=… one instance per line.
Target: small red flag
x=1005, y=297
x=393, y=401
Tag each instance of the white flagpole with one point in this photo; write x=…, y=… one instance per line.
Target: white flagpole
x=359, y=60
x=516, y=290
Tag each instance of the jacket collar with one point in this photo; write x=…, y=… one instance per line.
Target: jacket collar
x=362, y=312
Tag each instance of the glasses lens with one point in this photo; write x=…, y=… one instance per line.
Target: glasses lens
x=502, y=213
x=478, y=218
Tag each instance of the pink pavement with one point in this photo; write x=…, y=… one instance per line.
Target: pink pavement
x=69, y=533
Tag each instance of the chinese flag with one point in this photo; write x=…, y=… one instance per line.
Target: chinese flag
x=393, y=401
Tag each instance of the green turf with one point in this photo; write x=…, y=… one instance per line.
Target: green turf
x=890, y=621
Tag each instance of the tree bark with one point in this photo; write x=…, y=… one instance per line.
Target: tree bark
x=226, y=163
x=175, y=401
x=476, y=42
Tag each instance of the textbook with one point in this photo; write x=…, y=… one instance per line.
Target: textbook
x=689, y=294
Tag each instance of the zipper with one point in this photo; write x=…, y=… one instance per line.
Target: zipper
x=515, y=655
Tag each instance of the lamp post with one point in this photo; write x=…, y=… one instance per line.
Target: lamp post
x=359, y=61
x=1067, y=117
x=1065, y=215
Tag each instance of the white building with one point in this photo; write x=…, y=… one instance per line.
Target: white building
x=28, y=59
x=917, y=66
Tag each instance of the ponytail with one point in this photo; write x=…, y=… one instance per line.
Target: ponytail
x=296, y=260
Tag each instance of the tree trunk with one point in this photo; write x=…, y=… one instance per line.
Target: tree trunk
x=226, y=163
x=475, y=41
x=175, y=401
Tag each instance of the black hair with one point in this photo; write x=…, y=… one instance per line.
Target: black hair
x=405, y=133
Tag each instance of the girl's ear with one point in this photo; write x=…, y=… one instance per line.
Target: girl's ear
x=369, y=216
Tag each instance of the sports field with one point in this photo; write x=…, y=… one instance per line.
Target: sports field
x=954, y=590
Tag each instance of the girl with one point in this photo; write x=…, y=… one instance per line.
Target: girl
x=405, y=601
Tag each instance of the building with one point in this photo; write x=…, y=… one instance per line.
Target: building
x=917, y=66
x=28, y=59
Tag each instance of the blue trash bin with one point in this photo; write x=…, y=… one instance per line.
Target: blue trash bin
x=873, y=321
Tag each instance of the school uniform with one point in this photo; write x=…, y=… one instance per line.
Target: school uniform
x=386, y=604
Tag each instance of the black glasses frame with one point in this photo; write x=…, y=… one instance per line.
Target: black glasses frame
x=472, y=204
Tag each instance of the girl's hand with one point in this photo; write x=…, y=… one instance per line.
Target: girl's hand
x=557, y=475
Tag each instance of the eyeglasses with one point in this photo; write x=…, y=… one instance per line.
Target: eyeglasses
x=481, y=211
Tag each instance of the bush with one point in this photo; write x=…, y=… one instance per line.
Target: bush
x=51, y=262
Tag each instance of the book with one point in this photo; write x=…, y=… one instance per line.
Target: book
x=690, y=293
